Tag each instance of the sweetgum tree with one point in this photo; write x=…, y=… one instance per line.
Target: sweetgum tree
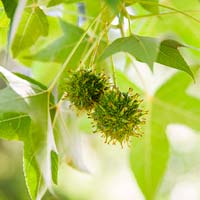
x=58, y=69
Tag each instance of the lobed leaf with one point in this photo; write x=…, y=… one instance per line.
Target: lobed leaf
x=148, y=50
x=144, y=49
x=59, y=49
x=33, y=24
x=169, y=55
x=27, y=119
x=150, y=155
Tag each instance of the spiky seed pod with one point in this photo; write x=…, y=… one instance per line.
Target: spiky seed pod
x=118, y=116
x=84, y=88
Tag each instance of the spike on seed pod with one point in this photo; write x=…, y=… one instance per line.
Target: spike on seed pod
x=121, y=120
x=85, y=87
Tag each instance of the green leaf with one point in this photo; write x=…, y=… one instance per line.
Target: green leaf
x=27, y=119
x=10, y=7
x=33, y=176
x=153, y=8
x=32, y=25
x=56, y=2
x=144, y=49
x=4, y=26
x=54, y=166
x=32, y=81
x=176, y=24
x=4, y=20
x=147, y=50
x=114, y=4
x=59, y=49
x=124, y=83
x=183, y=5
x=169, y=55
x=150, y=155
x=39, y=84
x=149, y=5
x=14, y=126
x=93, y=7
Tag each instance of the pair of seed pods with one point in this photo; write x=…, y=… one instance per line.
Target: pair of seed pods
x=116, y=115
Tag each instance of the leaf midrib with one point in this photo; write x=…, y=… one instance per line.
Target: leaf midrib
x=24, y=97
x=14, y=118
x=25, y=28
x=146, y=52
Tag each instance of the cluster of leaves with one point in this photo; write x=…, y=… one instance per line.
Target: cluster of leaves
x=29, y=113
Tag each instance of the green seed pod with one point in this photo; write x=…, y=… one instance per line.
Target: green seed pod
x=84, y=88
x=118, y=116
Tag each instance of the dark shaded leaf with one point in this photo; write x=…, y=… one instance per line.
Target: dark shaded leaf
x=10, y=6
x=144, y=49
x=169, y=55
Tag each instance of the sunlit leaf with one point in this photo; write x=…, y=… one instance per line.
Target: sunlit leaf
x=45, y=39
x=56, y=2
x=4, y=26
x=151, y=7
x=14, y=125
x=59, y=49
x=32, y=25
x=92, y=7
x=150, y=155
x=27, y=119
x=54, y=166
